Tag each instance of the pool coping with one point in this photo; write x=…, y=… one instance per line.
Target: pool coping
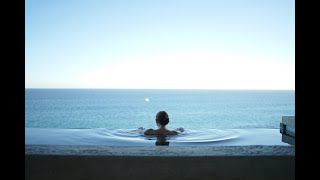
x=163, y=151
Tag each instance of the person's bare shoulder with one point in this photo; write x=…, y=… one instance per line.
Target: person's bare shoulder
x=149, y=132
x=174, y=132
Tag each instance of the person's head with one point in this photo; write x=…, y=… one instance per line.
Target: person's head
x=162, y=118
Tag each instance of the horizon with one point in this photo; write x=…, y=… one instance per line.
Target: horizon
x=182, y=44
x=57, y=88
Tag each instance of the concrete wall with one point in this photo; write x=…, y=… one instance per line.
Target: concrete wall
x=158, y=163
x=287, y=129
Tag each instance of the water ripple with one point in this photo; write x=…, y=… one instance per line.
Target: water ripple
x=208, y=135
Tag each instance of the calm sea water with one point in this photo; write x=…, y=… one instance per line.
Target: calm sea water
x=129, y=109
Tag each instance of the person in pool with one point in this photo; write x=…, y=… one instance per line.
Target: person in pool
x=162, y=119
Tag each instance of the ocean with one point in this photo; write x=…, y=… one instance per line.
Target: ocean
x=132, y=109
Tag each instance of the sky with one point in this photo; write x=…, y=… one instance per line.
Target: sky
x=160, y=44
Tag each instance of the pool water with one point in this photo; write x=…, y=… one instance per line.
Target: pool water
x=135, y=137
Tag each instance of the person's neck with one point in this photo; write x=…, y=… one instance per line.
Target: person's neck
x=162, y=127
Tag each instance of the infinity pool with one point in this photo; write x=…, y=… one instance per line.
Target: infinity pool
x=135, y=137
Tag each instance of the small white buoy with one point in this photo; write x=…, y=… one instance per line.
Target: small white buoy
x=146, y=99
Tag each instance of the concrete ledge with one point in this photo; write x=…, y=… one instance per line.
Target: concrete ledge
x=90, y=150
x=287, y=129
x=288, y=120
x=288, y=139
x=107, y=162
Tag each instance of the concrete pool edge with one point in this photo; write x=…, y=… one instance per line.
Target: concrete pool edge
x=159, y=162
x=99, y=150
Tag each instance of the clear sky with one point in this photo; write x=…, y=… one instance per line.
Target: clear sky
x=160, y=44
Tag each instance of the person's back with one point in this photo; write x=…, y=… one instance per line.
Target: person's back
x=160, y=132
x=162, y=119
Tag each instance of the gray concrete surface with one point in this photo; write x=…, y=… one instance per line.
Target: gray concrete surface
x=123, y=162
x=287, y=129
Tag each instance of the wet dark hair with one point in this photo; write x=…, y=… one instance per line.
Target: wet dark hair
x=163, y=118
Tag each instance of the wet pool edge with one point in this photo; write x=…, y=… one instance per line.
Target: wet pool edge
x=103, y=150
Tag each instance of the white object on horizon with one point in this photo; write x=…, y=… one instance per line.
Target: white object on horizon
x=146, y=99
